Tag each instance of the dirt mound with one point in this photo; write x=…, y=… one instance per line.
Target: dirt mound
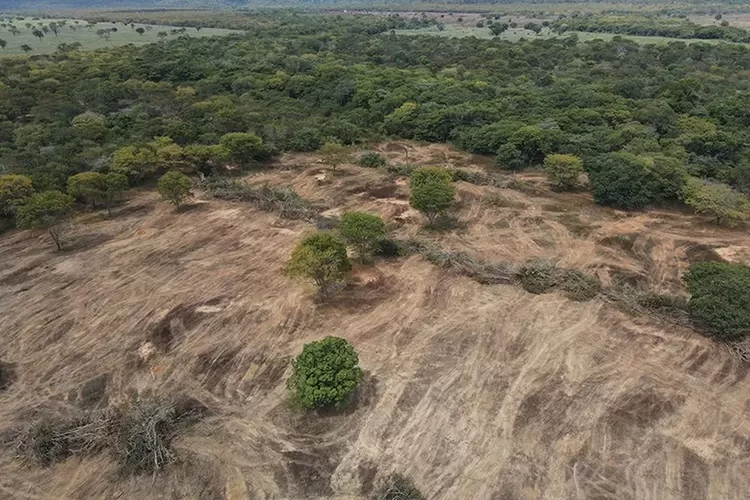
x=473, y=390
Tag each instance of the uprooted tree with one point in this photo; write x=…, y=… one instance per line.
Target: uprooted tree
x=325, y=374
x=322, y=259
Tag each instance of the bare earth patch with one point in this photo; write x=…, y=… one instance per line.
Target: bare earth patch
x=473, y=391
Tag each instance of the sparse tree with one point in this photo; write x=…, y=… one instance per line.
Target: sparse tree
x=54, y=27
x=719, y=201
x=37, y=33
x=564, y=171
x=26, y=48
x=175, y=187
x=432, y=192
x=325, y=374
x=363, y=231
x=50, y=210
x=322, y=259
x=334, y=154
x=3, y=43
x=162, y=34
x=140, y=30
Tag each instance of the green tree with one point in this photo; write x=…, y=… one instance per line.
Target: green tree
x=720, y=298
x=322, y=259
x=114, y=186
x=334, y=154
x=720, y=201
x=138, y=163
x=363, y=231
x=3, y=43
x=26, y=48
x=175, y=187
x=140, y=30
x=90, y=125
x=88, y=186
x=432, y=191
x=564, y=171
x=13, y=190
x=50, y=210
x=325, y=374
x=623, y=180
x=244, y=147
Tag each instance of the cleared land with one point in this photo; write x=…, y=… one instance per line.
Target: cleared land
x=88, y=37
x=475, y=391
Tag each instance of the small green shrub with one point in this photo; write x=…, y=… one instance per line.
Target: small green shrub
x=325, y=374
x=398, y=487
x=372, y=159
x=720, y=298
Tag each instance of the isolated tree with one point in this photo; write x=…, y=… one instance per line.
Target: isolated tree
x=54, y=27
x=720, y=298
x=322, y=259
x=721, y=202
x=564, y=171
x=50, y=210
x=244, y=147
x=334, y=154
x=26, y=48
x=13, y=190
x=37, y=33
x=140, y=30
x=3, y=43
x=363, y=231
x=432, y=192
x=325, y=374
x=87, y=186
x=162, y=34
x=175, y=187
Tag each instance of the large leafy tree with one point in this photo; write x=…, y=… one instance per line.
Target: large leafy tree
x=50, y=210
x=325, y=374
x=720, y=298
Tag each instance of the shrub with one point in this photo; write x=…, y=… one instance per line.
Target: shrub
x=13, y=190
x=322, y=259
x=362, y=231
x=325, y=374
x=175, y=187
x=372, y=160
x=623, y=180
x=720, y=298
x=398, y=487
x=564, y=171
x=50, y=210
x=720, y=201
x=432, y=191
x=334, y=154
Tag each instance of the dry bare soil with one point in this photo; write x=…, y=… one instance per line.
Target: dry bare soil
x=474, y=391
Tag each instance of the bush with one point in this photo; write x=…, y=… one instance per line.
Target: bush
x=175, y=187
x=564, y=171
x=372, y=160
x=720, y=298
x=432, y=191
x=325, y=374
x=398, y=487
x=50, y=210
x=362, y=231
x=322, y=259
x=623, y=180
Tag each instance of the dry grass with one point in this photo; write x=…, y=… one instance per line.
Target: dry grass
x=472, y=390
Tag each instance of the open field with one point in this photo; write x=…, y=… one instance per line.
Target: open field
x=515, y=34
x=88, y=37
x=475, y=391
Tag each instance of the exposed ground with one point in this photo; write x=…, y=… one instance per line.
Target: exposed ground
x=474, y=391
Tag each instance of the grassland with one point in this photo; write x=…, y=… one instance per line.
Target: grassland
x=88, y=37
x=515, y=34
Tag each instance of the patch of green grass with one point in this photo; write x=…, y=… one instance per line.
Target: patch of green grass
x=88, y=37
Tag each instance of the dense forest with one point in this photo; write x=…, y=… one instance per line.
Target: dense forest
x=661, y=113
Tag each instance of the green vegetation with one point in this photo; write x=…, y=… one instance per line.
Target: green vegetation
x=372, y=160
x=564, y=171
x=334, y=154
x=363, y=231
x=432, y=192
x=13, y=190
x=325, y=374
x=720, y=298
x=721, y=202
x=50, y=210
x=322, y=259
x=175, y=187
